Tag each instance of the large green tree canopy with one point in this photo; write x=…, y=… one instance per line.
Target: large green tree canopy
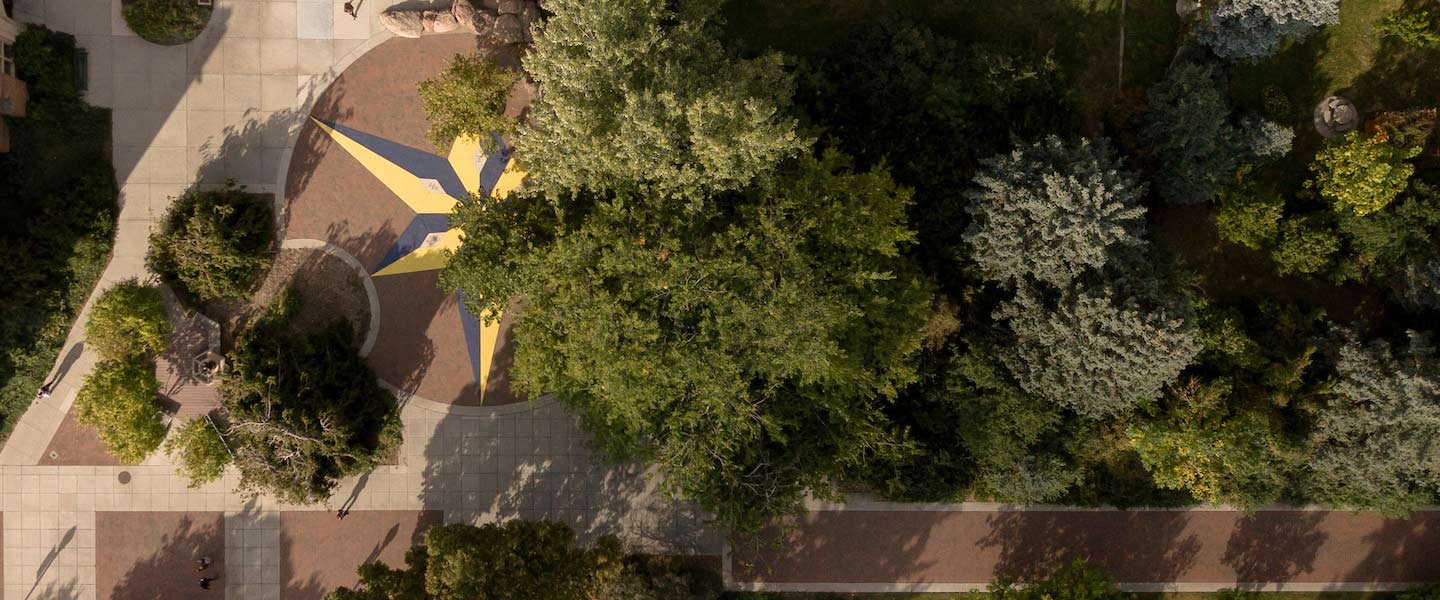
x=640, y=91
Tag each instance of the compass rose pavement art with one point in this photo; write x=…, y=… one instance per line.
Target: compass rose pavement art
x=363, y=180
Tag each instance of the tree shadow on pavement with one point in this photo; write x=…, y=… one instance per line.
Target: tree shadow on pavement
x=1135, y=546
x=164, y=548
x=1401, y=550
x=1274, y=546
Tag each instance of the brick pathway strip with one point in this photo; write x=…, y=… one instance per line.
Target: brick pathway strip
x=947, y=550
x=320, y=552
x=153, y=554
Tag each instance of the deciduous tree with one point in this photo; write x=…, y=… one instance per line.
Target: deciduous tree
x=128, y=320
x=1362, y=174
x=640, y=92
x=468, y=98
x=118, y=400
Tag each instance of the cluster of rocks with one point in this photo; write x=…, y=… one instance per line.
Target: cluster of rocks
x=503, y=21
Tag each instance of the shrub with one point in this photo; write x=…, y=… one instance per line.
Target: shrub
x=1412, y=28
x=1375, y=442
x=198, y=451
x=128, y=320
x=1420, y=285
x=1305, y=247
x=1094, y=353
x=468, y=98
x=1276, y=103
x=213, y=244
x=1213, y=450
x=118, y=400
x=1362, y=174
x=1249, y=216
x=1050, y=211
x=1074, y=581
x=45, y=59
x=1188, y=125
x=304, y=410
x=1253, y=29
x=166, y=22
x=1266, y=138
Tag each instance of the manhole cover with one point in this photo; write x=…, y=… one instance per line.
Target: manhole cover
x=54, y=455
x=124, y=477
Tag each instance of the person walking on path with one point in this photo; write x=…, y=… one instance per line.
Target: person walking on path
x=340, y=514
x=45, y=391
x=203, y=563
x=205, y=582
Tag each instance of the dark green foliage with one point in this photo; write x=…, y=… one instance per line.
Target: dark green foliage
x=747, y=350
x=932, y=107
x=303, y=409
x=214, y=243
x=980, y=437
x=165, y=22
x=1380, y=243
x=198, y=451
x=1419, y=287
x=128, y=320
x=1074, y=581
x=517, y=560
x=1053, y=212
x=1188, y=125
x=60, y=203
x=1375, y=444
x=1094, y=352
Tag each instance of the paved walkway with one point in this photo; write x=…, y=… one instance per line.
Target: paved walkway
x=884, y=547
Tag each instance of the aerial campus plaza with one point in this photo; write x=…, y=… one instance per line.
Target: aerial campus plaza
x=767, y=298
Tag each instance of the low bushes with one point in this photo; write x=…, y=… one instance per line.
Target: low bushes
x=128, y=320
x=468, y=98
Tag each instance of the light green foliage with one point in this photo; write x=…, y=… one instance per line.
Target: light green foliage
x=213, y=244
x=745, y=349
x=1216, y=452
x=1188, y=125
x=128, y=320
x=1073, y=581
x=118, y=400
x=1094, y=352
x=1412, y=28
x=468, y=98
x=1249, y=216
x=1362, y=174
x=1375, y=443
x=1052, y=211
x=639, y=92
x=517, y=560
x=1306, y=247
x=198, y=452
x=304, y=409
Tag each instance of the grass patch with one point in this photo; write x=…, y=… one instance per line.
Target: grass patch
x=60, y=201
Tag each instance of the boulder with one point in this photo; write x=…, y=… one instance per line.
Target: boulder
x=464, y=13
x=483, y=22
x=440, y=21
x=509, y=30
x=511, y=7
x=530, y=14
x=404, y=23
x=490, y=5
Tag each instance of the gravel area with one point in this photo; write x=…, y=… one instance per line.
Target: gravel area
x=329, y=289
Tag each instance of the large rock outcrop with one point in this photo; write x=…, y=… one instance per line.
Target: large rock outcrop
x=499, y=21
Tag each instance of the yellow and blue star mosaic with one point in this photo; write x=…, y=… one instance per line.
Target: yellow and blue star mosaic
x=432, y=186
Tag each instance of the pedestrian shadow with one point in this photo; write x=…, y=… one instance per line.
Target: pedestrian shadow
x=50, y=559
x=69, y=361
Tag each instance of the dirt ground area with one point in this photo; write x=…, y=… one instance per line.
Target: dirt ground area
x=329, y=289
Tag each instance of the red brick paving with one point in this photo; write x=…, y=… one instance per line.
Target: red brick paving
x=331, y=549
x=151, y=555
x=1136, y=546
x=76, y=444
x=420, y=345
